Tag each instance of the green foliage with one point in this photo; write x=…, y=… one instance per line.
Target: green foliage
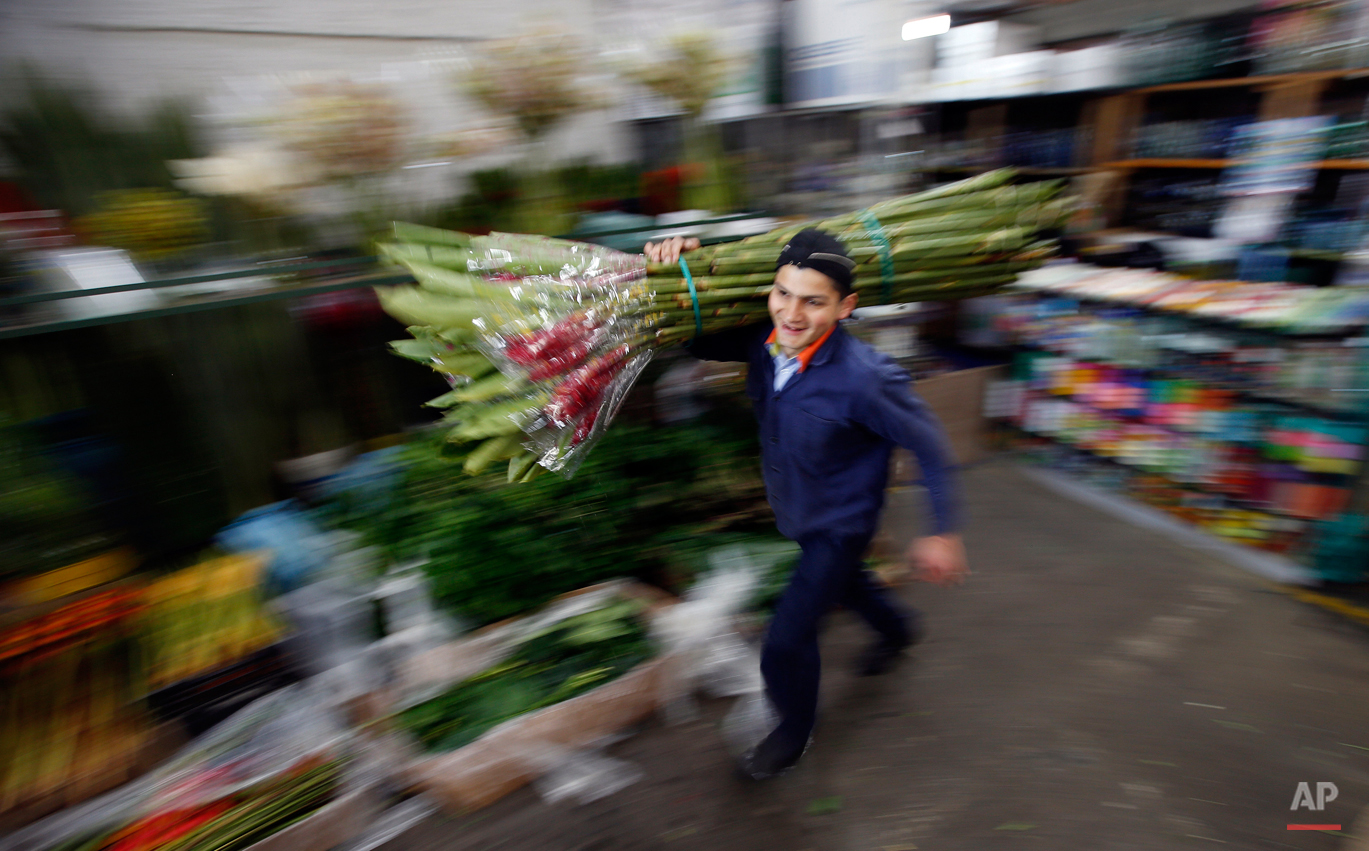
x=493, y=201
x=490, y=204
x=647, y=503
x=66, y=152
x=45, y=518
x=557, y=663
x=585, y=182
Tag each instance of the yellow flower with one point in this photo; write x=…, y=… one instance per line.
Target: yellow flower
x=151, y=224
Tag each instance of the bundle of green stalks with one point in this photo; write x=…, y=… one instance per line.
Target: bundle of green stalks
x=537, y=375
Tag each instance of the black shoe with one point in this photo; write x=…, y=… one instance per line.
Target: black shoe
x=881, y=657
x=772, y=757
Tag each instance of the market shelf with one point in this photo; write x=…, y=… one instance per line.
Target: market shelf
x=1270, y=396
x=1236, y=502
x=1166, y=162
x=189, y=305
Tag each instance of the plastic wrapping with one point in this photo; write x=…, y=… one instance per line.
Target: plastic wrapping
x=282, y=735
x=587, y=775
x=751, y=719
x=392, y=823
x=566, y=325
x=300, y=549
x=715, y=658
x=573, y=343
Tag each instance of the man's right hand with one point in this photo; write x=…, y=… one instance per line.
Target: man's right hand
x=938, y=559
x=669, y=250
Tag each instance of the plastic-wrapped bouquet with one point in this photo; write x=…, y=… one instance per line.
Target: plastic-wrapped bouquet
x=541, y=339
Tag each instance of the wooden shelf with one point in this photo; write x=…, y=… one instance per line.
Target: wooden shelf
x=1265, y=80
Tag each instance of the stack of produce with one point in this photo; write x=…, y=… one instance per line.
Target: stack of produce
x=205, y=617
x=267, y=768
x=68, y=723
x=547, y=666
x=228, y=823
x=541, y=338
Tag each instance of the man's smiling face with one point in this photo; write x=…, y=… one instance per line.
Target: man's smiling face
x=804, y=305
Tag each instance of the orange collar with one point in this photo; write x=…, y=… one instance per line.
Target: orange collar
x=804, y=356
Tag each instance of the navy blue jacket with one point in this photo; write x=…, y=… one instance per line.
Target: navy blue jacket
x=826, y=436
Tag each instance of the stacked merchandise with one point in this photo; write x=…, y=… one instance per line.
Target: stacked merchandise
x=1239, y=431
x=205, y=618
x=1208, y=138
x=70, y=725
x=77, y=674
x=280, y=774
x=1285, y=308
x=1306, y=35
x=1194, y=448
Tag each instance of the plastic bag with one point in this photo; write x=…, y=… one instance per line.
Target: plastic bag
x=393, y=823
x=585, y=775
x=299, y=548
x=717, y=659
x=751, y=719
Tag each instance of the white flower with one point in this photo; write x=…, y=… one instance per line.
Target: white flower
x=260, y=173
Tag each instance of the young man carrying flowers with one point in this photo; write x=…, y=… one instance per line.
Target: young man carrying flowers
x=831, y=410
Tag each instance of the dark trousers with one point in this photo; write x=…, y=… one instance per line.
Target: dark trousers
x=829, y=573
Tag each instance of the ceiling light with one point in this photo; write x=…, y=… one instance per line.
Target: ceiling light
x=923, y=27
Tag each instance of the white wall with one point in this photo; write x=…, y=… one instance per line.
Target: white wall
x=224, y=53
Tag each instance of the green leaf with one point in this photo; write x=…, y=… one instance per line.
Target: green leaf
x=824, y=806
x=446, y=400
x=416, y=306
x=422, y=351
x=406, y=232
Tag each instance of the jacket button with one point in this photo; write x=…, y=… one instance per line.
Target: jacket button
x=774, y=440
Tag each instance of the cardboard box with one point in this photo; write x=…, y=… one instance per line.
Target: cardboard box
x=957, y=398
x=518, y=751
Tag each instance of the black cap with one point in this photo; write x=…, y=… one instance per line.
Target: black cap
x=821, y=252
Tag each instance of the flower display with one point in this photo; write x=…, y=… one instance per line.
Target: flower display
x=533, y=80
x=690, y=71
x=263, y=174
x=151, y=224
x=343, y=128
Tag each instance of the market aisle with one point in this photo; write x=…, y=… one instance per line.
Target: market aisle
x=1092, y=686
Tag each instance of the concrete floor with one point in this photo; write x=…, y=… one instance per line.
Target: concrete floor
x=1092, y=686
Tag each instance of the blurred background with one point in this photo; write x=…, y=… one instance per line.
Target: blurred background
x=216, y=480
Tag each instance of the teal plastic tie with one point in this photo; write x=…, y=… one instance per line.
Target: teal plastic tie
x=886, y=257
x=694, y=296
